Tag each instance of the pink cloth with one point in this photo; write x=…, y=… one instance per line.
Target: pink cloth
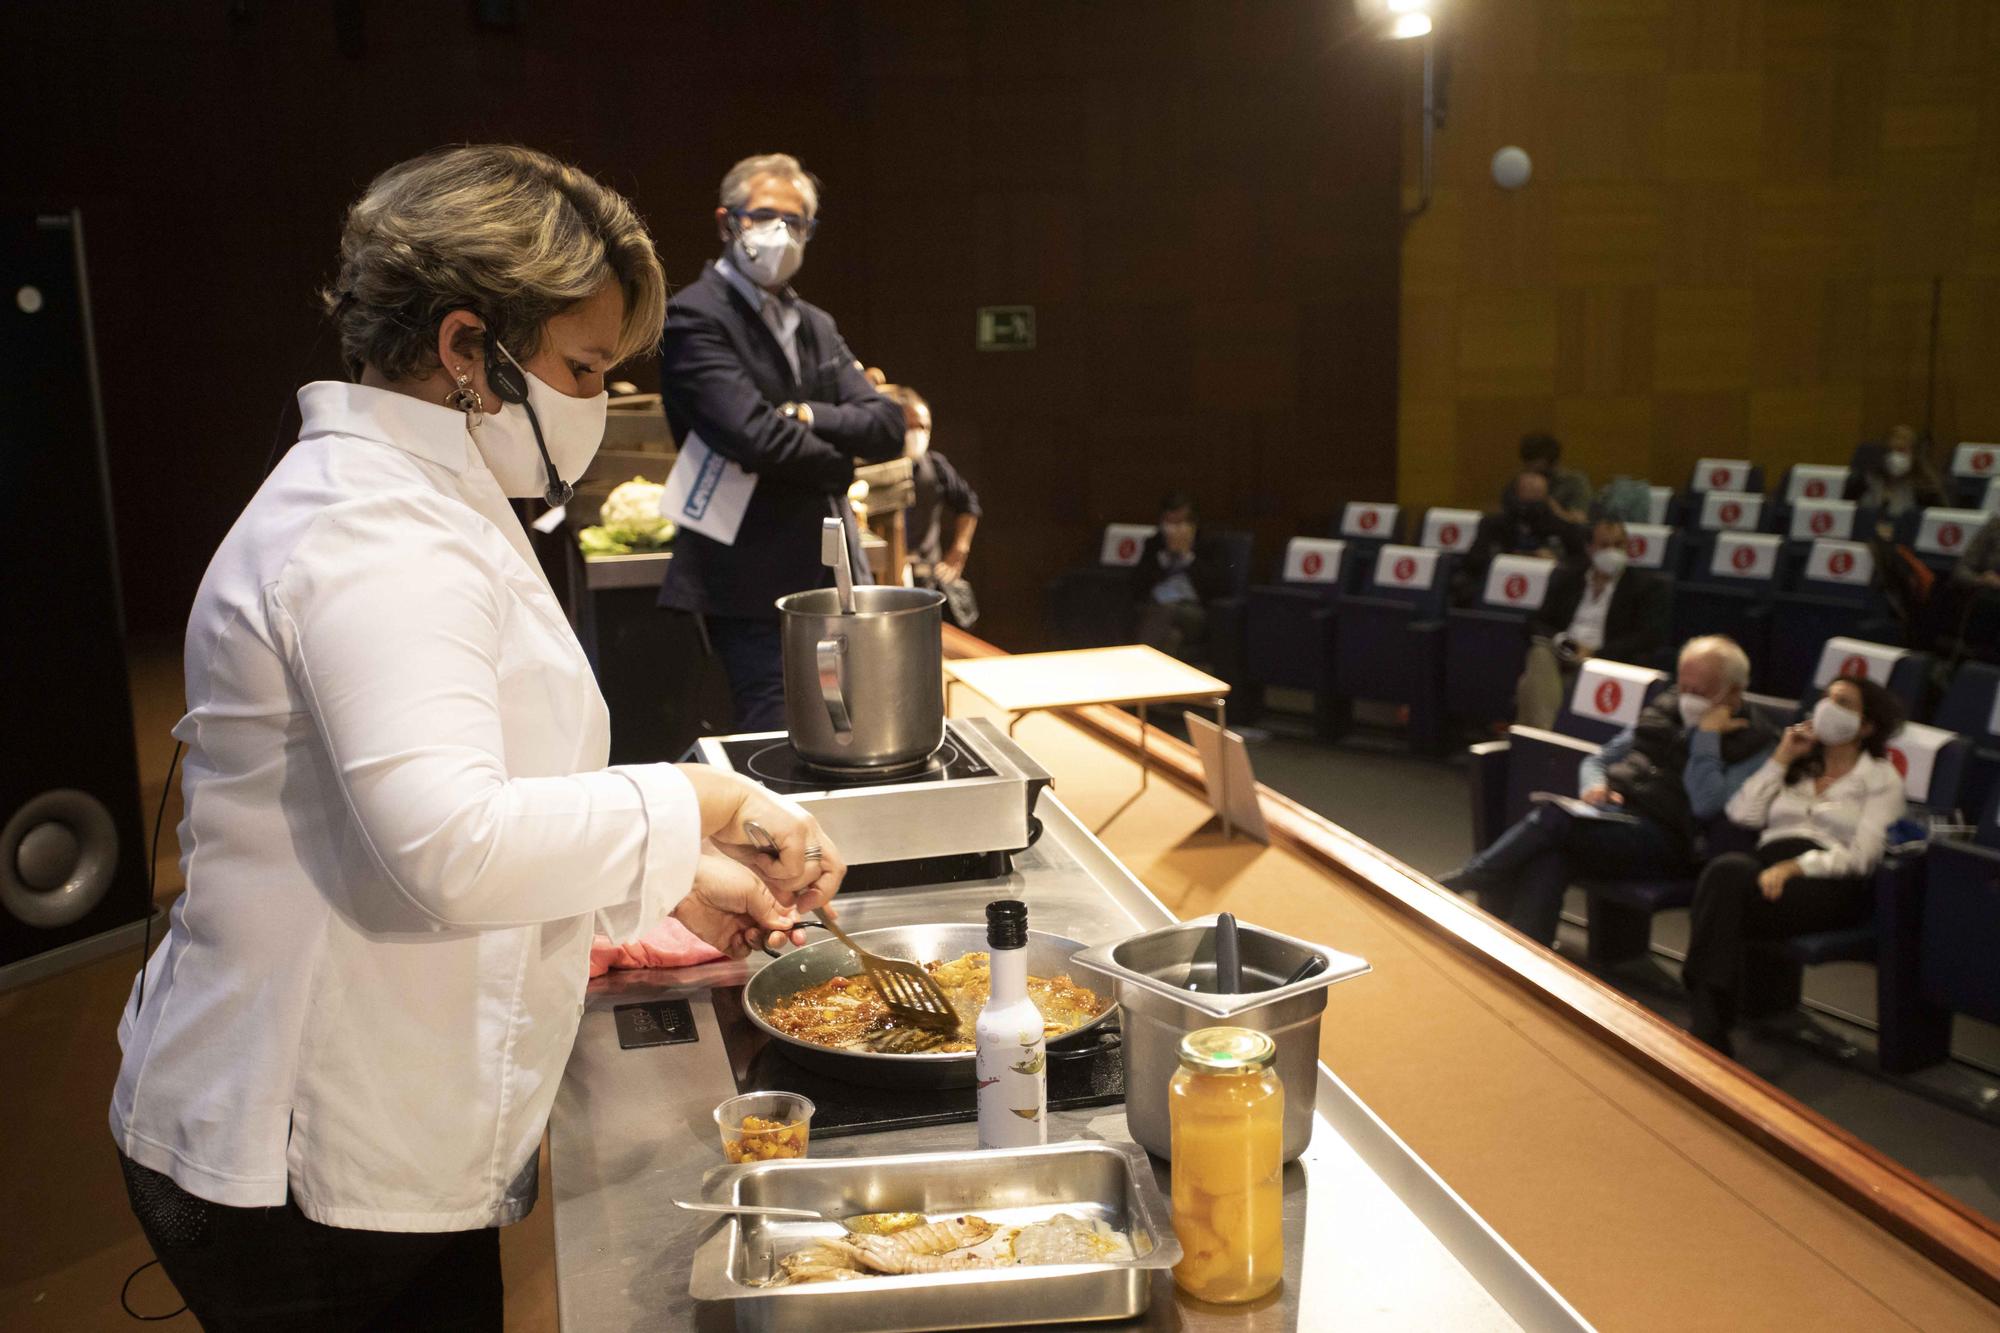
x=669, y=944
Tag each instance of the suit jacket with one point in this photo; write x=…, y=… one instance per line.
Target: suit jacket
x=1637, y=624
x=1209, y=571
x=723, y=377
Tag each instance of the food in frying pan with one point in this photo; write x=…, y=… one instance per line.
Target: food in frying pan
x=847, y=1013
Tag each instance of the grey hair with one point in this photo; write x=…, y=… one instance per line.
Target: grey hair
x=1725, y=652
x=736, y=185
x=508, y=233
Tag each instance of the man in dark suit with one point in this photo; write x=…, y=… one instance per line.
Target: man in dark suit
x=1178, y=573
x=765, y=380
x=1596, y=607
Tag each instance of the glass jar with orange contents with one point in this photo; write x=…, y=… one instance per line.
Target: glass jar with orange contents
x=1227, y=1111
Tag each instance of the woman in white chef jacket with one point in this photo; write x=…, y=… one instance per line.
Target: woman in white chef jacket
x=400, y=829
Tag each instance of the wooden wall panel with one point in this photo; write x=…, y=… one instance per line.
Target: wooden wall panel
x=1745, y=206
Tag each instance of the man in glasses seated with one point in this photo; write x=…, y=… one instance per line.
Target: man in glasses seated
x=764, y=380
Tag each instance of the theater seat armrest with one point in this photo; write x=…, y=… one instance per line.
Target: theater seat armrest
x=1488, y=789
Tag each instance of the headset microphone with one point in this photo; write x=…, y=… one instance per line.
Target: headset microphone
x=509, y=381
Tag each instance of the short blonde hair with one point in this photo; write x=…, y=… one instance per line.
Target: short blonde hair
x=736, y=184
x=506, y=232
x=1725, y=652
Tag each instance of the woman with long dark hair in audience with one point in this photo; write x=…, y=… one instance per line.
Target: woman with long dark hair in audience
x=1825, y=800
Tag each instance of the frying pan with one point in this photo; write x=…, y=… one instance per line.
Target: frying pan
x=1048, y=956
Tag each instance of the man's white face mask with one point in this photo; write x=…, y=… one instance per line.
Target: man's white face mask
x=768, y=253
x=573, y=429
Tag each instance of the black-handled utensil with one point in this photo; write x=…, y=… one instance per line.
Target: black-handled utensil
x=1309, y=967
x=1228, y=956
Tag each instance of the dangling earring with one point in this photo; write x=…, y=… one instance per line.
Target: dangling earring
x=467, y=400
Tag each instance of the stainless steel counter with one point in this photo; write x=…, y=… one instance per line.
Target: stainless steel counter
x=1373, y=1237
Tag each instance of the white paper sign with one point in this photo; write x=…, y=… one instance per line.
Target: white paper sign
x=1646, y=544
x=1658, y=500
x=1946, y=531
x=1813, y=519
x=1450, y=529
x=1973, y=459
x=1991, y=505
x=1914, y=752
x=1745, y=555
x=1722, y=474
x=1841, y=562
x=1731, y=511
x=1313, y=559
x=1843, y=656
x=1520, y=581
x=1123, y=542
x=1361, y=519
x=707, y=492
x=1815, y=481
x=1406, y=567
x=1611, y=691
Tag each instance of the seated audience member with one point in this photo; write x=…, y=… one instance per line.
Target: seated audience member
x=1967, y=622
x=1656, y=783
x=1979, y=567
x=1178, y=572
x=1569, y=490
x=1825, y=800
x=1598, y=608
x=1895, y=481
x=1525, y=525
x=940, y=493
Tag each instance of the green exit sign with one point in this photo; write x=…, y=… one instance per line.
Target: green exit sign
x=1006, y=328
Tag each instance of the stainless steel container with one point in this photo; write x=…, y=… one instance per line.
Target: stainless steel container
x=1164, y=982
x=1094, y=1181
x=865, y=690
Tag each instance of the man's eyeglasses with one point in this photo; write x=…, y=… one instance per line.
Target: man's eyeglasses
x=801, y=228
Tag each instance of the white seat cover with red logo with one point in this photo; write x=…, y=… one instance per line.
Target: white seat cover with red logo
x=1914, y=752
x=1657, y=500
x=1815, y=481
x=1843, y=656
x=1450, y=529
x=1518, y=582
x=1813, y=519
x=1406, y=567
x=1841, y=562
x=1611, y=691
x=1745, y=555
x=1946, y=531
x=1123, y=542
x=1991, y=504
x=1362, y=519
x=1734, y=511
x=1313, y=559
x=1973, y=459
x=1722, y=474
x=1646, y=544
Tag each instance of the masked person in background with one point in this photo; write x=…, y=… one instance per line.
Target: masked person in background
x=1644, y=796
x=941, y=492
x=1896, y=480
x=1598, y=608
x=1178, y=573
x=764, y=381
x=1526, y=524
x=399, y=826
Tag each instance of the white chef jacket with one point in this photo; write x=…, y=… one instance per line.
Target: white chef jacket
x=399, y=834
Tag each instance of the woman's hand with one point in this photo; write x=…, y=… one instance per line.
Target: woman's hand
x=734, y=910
x=800, y=862
x=1772, y=882
x=1795, y=744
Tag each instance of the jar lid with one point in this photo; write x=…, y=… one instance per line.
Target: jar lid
x=1227, y=1050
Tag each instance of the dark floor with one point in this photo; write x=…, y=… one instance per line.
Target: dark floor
x=1943, y=1123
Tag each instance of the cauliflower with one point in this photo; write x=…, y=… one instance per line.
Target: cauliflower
x=629, y=521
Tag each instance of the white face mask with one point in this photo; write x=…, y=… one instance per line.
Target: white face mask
x=1693, y=709
x=1896, y=464
x=916, y=443
x=1610, y=561
x=1834, y=725
x=573, y=428
x=768, y=254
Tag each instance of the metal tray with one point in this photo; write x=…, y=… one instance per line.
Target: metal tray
x=1111, y=1182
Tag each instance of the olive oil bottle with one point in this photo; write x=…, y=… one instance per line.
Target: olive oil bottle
x=1012, y=1065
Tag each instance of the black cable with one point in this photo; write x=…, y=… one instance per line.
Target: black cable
x=152, y=859
x=124, y=1293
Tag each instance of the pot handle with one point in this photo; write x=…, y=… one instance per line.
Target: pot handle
x=832, y=654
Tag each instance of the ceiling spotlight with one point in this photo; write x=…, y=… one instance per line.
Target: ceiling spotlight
x=1408, y=6
x=1410, y=25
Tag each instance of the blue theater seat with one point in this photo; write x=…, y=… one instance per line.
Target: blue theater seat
x=1940, y=536
x=1971, y=707
x=1658, y=547
x=1835, y=589
x=1388, y=646
x=1091, y=606
x=1730, y=581
x=1486, y=644
x=1367, y=526
x=1901, y=671
x=1953, y=922
x=1288, y=626
x=1973, y=467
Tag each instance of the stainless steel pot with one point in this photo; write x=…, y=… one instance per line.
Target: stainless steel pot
x=1165, y=982
x=865, y=690
x=1048, y=955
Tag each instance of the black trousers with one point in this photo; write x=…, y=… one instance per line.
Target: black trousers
x=753, y=658
x=1522, y=876
x=276, y=1269
x=1730, y=911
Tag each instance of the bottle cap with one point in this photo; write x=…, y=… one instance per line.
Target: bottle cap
x=1007, y=924
x=1227, y=1050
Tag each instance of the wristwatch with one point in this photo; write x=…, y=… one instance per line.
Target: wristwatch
x=799, y=412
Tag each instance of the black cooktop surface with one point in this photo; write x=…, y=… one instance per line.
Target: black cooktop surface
x=773, y=762
x=1092, y=1075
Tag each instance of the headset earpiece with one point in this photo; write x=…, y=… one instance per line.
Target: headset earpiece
x=503, y=376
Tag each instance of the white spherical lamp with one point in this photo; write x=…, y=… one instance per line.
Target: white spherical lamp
x=1511, y=168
